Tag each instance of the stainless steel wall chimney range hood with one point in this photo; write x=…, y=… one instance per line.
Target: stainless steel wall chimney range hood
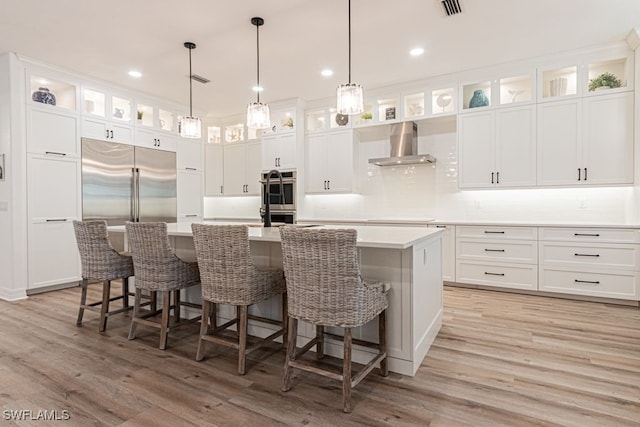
x=404, y=147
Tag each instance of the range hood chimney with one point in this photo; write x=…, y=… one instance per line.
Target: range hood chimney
x=404, y=147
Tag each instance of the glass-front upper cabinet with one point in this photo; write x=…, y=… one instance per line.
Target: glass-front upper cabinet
x=214, y=135
x=145, y=115
x=52, y=91
x=476, y=95
x=558, y=82
x=443, y=101
x=516, y=89
x=325, y=119
x=166, y=120
x=364, y=118
x=387, y=109
x=608, y=74
x=101, y=103
x=234, y=133
x=413, y=105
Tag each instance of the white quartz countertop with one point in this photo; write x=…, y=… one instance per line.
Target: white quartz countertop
x=368, y=236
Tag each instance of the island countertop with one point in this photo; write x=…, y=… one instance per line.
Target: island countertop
x=368, y=236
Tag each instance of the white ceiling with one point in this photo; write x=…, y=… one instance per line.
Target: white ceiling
x=105, y=39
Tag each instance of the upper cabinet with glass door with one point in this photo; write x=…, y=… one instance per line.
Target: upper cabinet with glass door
x=433, y=101
x=505, y=90
x=50, y=89
x=103, y=104
x=322, y=119
x=154, y=117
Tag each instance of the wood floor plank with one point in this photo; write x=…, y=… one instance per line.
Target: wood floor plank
x=500, y=359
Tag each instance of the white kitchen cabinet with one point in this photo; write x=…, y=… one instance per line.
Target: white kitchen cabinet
x=586, y=141
x=497, y=256
x=156, y=140
x=53, y=203
x=52, y=131
x=242, y=163
x=213, y=170
x=448, y=252
x=189, y=195
x=189, y=154
x=106, y=131
x=497, y=148
x=592, y=262
x=330, y=162
x=279, y=152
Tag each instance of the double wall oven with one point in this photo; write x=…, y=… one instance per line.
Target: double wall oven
x=282, y=204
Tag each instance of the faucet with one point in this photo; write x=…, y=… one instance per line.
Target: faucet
x=267, y=210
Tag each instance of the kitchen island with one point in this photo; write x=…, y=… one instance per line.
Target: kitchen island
x=408, y=258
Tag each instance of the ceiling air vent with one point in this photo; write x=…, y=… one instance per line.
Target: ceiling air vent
x=451, y=7
x=200, y=79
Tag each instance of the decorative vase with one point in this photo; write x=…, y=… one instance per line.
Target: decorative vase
x=479, y=99
x=43, y=95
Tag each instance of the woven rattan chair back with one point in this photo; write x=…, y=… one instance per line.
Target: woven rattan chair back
x=156, y=265
x=323, y=278
x=98, y=258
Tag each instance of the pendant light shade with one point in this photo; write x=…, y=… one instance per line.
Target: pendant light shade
x=350, y=98
x=258, y=116
x=190, y=127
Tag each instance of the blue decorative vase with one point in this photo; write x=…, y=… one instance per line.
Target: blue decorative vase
x=479, y=99
x=43, y=95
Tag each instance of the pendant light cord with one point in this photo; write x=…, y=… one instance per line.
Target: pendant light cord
x=190, y=85
x=258, y=60
x=349, y=41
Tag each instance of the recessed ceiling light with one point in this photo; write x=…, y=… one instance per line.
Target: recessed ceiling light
x=326, y=72
x=416, y=51
x=257, y=88
x=136, y=74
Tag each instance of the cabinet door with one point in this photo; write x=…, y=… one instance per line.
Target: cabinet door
x=286, y=154
x=316, y=163
x=213, y=170
x=189, y=188
x=253, y=163
x=235, y=157
x=340, y=162
x=607, y=144
x=188, y=154
x=52, y=131
x=558, y=142
x=476, y=153
x=270, y=152
x=53, y=254
x=105, y=131
x=448, y=252
x=121, y=133
x=515, y=147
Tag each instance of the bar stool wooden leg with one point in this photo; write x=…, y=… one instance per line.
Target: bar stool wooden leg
x=285, y=320
x=204, y=328
x=136, y=314
x=104, y=307
x=164, y=323
x=176, y=308
x=291, y=348
x=125, y=292
x=153, y=306
x=242, y=339
x=213, y=318
x=382, y=339
x=320, y=345
x=83, y=301
x=346, y=372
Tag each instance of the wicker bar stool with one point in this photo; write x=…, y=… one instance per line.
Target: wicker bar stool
x=229, y=276
x=158, y=269
x=103, y=263
x=325, y=288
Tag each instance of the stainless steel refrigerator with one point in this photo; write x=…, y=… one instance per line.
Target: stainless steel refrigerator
x=125, y=183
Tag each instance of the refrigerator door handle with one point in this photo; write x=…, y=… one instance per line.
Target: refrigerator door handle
x=132, y=202
x=137, y=199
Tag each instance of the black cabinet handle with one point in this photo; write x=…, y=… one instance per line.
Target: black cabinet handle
x=441, y=226
x=494, y=250
x=158, y=142
x=493, y=232
x=492, y=177
x=578, y=174
x=591, y=255
x=585, y=174
x=497, y=177
x=55, y=153
x=111, y=134
x=586, y=234
x=493, y=274
x=221, y=192
x=107, y=133
x=329, y=185
x=191, y=169
x=325, y=185
x=591, y=282
x=190, y=215
x=57, y=220
x=275, y=161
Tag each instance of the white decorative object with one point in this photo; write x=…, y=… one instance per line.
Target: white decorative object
x=558, y=86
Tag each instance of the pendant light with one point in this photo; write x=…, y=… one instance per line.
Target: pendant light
x=349, y=96
x=190, y=127
x=258, y=113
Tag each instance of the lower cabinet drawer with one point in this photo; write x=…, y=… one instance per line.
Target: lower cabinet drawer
x=605, y=256
x=516, y=276
x=606, y=285
x=505, y=251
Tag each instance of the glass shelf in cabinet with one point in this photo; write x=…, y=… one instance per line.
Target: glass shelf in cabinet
x=53, y=92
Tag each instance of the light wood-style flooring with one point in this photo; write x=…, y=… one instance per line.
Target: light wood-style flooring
x=500, y=359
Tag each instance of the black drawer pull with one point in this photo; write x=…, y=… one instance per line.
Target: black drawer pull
x=191, y=169
x=493, y=232
x=494, y=250
x=586, y=235
x=55, y=153
x=493, y=274
x=190, y=215
x=57, y=220
x=441, y=226
x=591, y=255
x=587, y=281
